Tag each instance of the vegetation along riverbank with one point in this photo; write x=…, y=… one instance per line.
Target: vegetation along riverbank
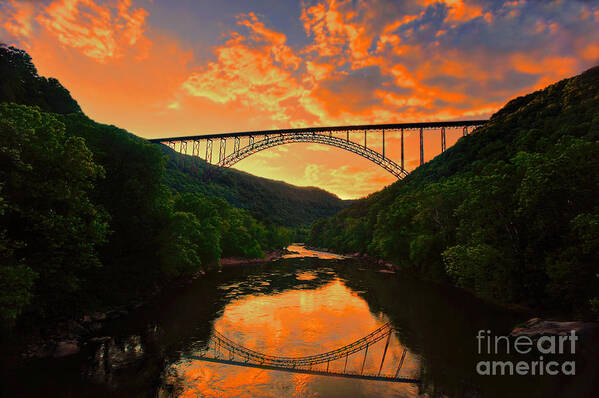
x=509, y=212
x=95, y=219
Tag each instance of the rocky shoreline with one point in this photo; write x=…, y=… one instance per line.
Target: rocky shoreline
x=68, y=337
x=586, y=335
x=537, y=327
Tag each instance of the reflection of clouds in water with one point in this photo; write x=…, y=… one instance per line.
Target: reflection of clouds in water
x=301, y=251
x=295, y=323
x=305, y=276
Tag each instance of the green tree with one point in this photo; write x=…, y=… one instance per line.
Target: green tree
x=16, y=278
x=20, y=83
x=52, y=229
x=180, y=252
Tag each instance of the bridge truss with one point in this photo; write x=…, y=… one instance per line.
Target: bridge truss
x=221, y=349
x=248, y=143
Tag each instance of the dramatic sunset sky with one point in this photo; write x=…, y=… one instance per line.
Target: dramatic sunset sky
x=164, y=68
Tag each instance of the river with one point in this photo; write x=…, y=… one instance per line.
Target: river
x=306, y=303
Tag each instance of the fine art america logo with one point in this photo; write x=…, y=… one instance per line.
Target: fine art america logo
x=525, y=346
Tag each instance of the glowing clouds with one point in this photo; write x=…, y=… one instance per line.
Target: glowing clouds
x=19, y=18
x=256, y=71
x=349, y=181
x=100, y=32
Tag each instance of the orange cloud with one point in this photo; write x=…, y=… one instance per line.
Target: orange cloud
x=319, y=71
x=461, y=11
x=334, y=26
x=551, y=68
x=100, y=31
x=19, y=18
x=256, y=72
x=591, y=52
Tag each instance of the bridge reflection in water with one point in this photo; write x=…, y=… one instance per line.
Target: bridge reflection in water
x=221, y=349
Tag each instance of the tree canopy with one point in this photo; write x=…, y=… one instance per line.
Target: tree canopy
x=509, y=212
x=86, y=219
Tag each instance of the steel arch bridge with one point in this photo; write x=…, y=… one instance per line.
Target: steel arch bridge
x=221, y=349
x=336, y=136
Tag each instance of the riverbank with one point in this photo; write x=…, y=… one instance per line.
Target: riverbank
x=66, y=337
x=148, y=348
x=548, y=317
x=62, y=338
x=268, y=256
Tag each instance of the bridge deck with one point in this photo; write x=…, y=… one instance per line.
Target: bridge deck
x=368, y=127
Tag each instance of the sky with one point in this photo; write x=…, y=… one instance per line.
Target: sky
x=188, y=67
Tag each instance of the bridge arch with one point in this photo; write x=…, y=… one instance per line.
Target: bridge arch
x=318, y=135
x=325, y=139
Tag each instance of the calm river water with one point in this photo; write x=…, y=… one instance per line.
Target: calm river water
x=304, y=304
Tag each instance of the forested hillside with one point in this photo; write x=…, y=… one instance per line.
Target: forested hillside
x=85, y=218
x=276, y=201
x=509, y=212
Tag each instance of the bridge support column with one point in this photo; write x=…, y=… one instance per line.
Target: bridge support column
x=402, y=156
x=251, y=141
x=403, y=356
x=345, y=367
x=421, y=148
x=209, y=151
x=347, y=136
x=384, y=353
x=465, y=131
x=183, y=147
x=236, y=145
x=364, y=361
x=383, y=143
x=222, y=153
x=443, y=142
x=364, y=138
x=195, y=153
